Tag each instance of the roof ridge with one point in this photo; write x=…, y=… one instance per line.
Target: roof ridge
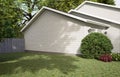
x=96, y=3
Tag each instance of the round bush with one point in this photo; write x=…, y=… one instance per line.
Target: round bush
x=94, y=45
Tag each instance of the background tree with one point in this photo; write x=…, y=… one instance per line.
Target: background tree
x=62, y=5
x=9, y=19
x=28, y=8
x=111, y=2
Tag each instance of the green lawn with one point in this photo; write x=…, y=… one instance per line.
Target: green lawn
x=54, y=65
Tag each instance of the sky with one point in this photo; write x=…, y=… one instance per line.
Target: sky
x=117, y=2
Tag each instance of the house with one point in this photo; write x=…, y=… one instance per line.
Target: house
x=55, y=31
x=103, y=13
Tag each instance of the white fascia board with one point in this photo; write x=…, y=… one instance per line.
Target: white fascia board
x=42, y=9
x=81, y=5
x=53, y=10
x=66, y=14
x=102, y=18
x=85, y=20
x=91, y=21
x=98, y=17
x=56, y=11
x=98, y=23
x=96, y=3
x=72, y=10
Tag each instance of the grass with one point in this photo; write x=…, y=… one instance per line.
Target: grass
x=54, y=65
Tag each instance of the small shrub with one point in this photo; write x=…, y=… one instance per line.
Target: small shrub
x=115, y=56
x=94, y=45
x=106, y=58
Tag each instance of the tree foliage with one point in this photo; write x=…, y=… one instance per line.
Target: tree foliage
x=9, y=19
x=28, y=8
x=62, y=5
x=110, y=2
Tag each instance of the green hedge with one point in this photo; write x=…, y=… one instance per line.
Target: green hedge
x=115, y=56
x=94, y=45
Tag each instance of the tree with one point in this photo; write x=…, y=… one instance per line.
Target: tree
x=111, y=2
x=9, y=19
x=28, y=8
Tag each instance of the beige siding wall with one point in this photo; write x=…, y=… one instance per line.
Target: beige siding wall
x=53, y=32
x=101, y=11
x=114, y=34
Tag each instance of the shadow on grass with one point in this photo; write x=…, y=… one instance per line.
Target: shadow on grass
x=12, y=56
x=34, y=62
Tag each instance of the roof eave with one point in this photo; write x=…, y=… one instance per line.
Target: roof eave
x=102, y=25
x=56, y=11
x=118, y=23
x=37, y=14
x=53, y=10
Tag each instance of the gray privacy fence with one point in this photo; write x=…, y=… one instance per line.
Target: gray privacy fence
x=12, y=45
